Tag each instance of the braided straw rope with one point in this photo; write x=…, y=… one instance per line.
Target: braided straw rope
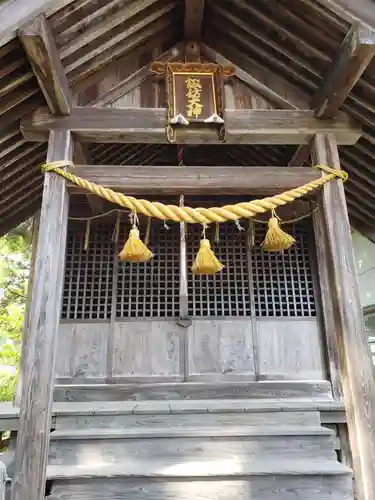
x=190, y=215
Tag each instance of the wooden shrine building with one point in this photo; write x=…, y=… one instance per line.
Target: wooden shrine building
x=149, y=380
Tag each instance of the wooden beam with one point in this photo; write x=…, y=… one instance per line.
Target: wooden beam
x=353, y=57
x=252, y=82
x=193, y=180
x=194, y=10
x=147, y=125
x=39, y=363
x=352, y=345
x=44, y=58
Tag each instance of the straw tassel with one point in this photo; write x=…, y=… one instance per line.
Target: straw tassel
x=134, y=249
x=206, y=261
x=276, y=239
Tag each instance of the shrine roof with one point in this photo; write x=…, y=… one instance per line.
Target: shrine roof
x=288, y=45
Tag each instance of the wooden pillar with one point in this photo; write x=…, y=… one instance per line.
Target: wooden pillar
x=39, y=361
x=353, y=350
x=25, y=331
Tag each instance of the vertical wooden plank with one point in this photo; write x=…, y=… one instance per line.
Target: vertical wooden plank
x=353, y=349
x=25, y=331
x=39, y=363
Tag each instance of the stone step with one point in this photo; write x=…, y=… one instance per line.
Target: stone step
x=280, y=487
x=187, y=445
x=312, y=390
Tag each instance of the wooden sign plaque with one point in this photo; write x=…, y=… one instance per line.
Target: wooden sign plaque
x=195, y=95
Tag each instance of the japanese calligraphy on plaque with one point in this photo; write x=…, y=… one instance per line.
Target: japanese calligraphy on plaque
x=195, y=95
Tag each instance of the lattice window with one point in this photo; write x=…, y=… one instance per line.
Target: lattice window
x=283, y=282
x=253, y=282
x=88, y=273
x=226, y=293
x=152, y=289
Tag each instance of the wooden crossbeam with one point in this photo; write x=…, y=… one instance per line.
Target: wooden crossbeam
x=44, y=59
x=353, y=57
x=195, y=180
x=194, y=10
x=147, y=125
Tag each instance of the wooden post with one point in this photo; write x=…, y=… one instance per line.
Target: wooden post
x=39, y=362
x=352, y=346
x=25, y=331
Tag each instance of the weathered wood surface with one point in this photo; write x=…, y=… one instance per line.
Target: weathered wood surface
x=194, y=10
x=197, y=419
x=259, y=87
x=330, y=332
x=82, y=349
x=44, y=58
x=15, y=13
x=39, y=363
x=353, y=57
x=191, y=445
x=354, y=352
x=3, y=480
x=25, y=331
x=135, y=79
x=147, y=125
x=314, y=391
x=220, y=350
x=230, y=469
x=193, y=180
x=147, y=350
x=290, y=349
x=70, y=414
x=256, y=488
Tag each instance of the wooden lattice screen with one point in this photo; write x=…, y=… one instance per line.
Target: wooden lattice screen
x=253, y=282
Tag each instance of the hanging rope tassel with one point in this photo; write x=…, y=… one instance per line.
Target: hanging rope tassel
x=87, y=235
x=206, y=261
x=134, y=249
x=276, y=239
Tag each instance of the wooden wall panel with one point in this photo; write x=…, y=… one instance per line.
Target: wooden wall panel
x=82, y=351
x=290, y=349
x=220, y=350
x=147, y=350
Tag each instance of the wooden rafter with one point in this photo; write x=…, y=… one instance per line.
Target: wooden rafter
x=44, y=58
x=194, y=10
x=147, y=125
x=353, y=57
x=193, y=180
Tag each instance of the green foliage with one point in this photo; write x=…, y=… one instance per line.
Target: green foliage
x=14, y=272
